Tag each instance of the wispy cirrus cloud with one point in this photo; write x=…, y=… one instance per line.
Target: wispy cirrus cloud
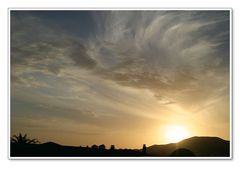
x=164, y=51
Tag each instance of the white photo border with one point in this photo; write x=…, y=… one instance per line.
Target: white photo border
x=124, y=9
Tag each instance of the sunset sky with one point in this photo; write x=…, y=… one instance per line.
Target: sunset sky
x=119, y=77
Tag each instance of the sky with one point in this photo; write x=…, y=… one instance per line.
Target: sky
x=119, y=77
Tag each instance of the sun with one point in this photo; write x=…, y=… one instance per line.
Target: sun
x=176, y=133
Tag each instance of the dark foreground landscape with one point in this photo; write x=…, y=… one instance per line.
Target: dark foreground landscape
x=191, y=147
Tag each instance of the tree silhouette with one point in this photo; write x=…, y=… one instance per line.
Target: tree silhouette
x=102, y=146
x=94, y=146
x=112, y=147
x=182, y=152
x=144, y=149
x=23, y=139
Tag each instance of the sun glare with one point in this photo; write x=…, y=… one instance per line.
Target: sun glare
x=176, y=133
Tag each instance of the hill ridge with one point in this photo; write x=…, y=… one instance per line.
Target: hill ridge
x=199, y=145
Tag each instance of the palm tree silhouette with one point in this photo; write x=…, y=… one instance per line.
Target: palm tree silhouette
x=23, y=139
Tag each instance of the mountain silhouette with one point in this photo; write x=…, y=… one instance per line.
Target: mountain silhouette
x=195, y=146
x=51, y=144
x=200, y=146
